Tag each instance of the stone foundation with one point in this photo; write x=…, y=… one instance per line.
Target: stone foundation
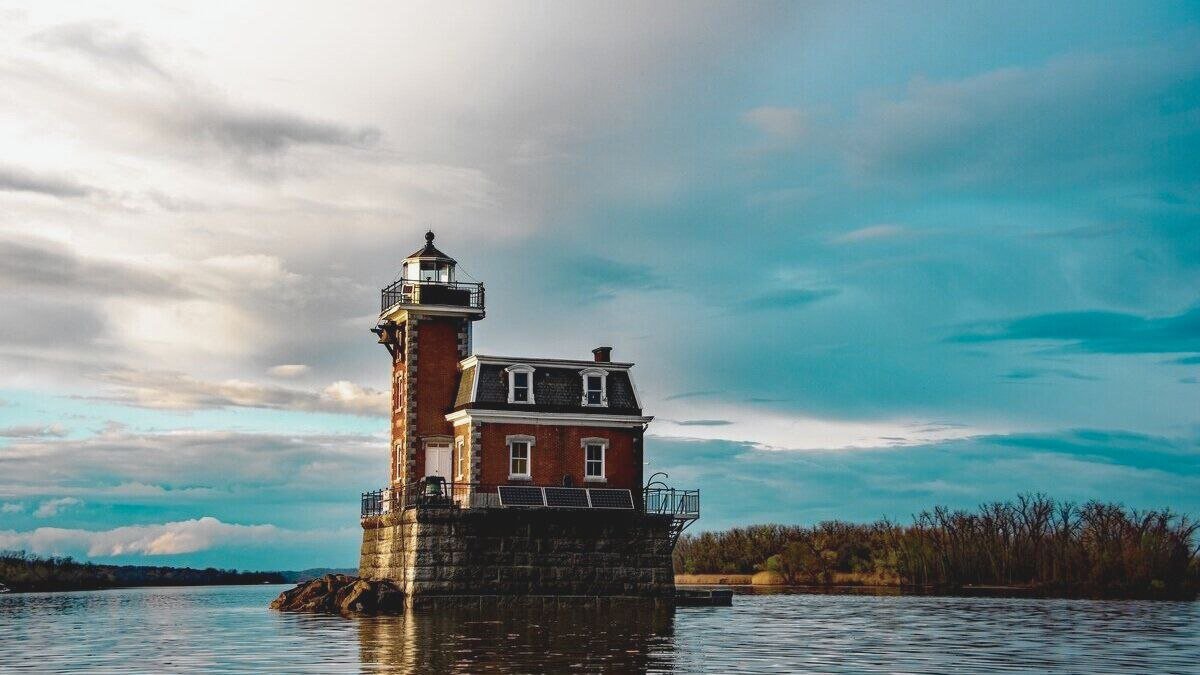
x=435, y=553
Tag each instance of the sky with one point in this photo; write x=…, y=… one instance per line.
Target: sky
x=869, y=258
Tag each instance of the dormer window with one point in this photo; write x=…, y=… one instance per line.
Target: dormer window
x=595, y=387
x=520, y=384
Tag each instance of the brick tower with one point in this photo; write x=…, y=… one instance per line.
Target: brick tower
x=425, y=322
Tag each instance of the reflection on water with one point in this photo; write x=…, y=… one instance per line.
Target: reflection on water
x=229, y=629
x=555, y=637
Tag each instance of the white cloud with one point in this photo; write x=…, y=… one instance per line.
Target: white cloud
x=701, y=418
x=33, y=431
x=186, y=536
x=288, y=370
x=52, y=507
x=182, y=392
x=191, y=465
x=781, y=124
x=881, y=231
x=11, y=507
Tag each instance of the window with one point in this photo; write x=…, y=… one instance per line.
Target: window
x=460, y=460
x=520, y=383
x=595, y=387
x=518, y=456
x=594, y=450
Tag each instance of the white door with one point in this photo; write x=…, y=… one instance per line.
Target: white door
x=437, y=460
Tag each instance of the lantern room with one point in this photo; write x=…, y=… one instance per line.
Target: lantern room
x=429, y=264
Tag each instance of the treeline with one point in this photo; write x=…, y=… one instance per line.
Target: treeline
x=21, y=571
x=1036, y=543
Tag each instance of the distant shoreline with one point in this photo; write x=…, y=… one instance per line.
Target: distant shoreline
x=24, y=572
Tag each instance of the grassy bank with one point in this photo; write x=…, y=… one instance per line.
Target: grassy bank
x=1034, y=544
x=21, y=571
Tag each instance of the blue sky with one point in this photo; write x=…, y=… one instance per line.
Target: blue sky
x=869, y=258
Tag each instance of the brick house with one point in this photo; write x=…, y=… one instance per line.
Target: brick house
x=481, y=421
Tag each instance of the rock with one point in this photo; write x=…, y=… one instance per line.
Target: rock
x=341, y=594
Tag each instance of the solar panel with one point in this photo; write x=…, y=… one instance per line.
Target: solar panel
x=520, y=495
x=564, y=497
x=607, y=498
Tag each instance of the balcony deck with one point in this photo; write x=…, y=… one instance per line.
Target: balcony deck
x=682, y=505
x=432, y=293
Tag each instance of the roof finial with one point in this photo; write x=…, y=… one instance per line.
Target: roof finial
x=429, y=236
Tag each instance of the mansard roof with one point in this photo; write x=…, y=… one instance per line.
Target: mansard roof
x=557, y=386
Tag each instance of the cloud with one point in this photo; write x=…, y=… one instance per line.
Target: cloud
x=178, y=391
x=52, y=507
x=741, y=483
x=13, y=179
x=693, y=394
x=261, y=131
x=11, y=507
x=1037, y=373
x=1099, y=331
x=1082, y=116
x=123, y=465
x=103, y=42
x=703, y=423
x=33, y=431
x=882, y=231
x=37, y=263
x=186, y=536
x=598, y=278
x=787, y=299
x=780, y=124
x=289, y=370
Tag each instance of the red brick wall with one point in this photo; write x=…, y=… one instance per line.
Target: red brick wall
x=437, y=357
x=557, y=451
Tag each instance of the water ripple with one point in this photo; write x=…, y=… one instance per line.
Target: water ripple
x=229, y=630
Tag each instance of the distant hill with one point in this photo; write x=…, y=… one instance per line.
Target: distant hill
x=297, y=577
x=21, y=571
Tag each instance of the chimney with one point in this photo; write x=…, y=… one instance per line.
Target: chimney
x=602, y=354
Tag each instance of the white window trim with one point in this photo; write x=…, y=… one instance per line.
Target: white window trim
x=603, y=443
x=583, y=376
x=459, y=446
x=528, y=440
x=513, y=370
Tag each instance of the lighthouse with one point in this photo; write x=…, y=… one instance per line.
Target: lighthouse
x=509, y=475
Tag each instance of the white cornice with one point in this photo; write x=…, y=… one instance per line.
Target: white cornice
x=460, y=417
x=398, y=311
x=542, y=363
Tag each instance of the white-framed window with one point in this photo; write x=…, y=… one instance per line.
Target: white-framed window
x=460, y=460
x=520, y=455
x=520, y=383
x=595, y=387
x=594, y=451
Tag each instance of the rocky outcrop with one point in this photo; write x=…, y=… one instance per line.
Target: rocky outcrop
x=341, y=594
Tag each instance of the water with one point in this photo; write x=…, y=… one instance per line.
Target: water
x=229, y=629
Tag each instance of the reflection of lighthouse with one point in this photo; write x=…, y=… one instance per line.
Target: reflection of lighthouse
x=557, y=637
x=509, y=475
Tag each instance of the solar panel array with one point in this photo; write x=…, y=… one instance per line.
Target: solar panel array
x=564, y=497
x=520, y=495
x=610, y=499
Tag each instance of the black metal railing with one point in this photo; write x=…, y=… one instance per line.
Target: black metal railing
x=683, y=504
x=453, y=294
x=429, y=494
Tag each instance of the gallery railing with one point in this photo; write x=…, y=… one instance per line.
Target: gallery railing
x=683, y=505
x=452, y=293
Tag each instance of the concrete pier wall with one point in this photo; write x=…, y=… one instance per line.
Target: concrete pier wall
x=434, y=552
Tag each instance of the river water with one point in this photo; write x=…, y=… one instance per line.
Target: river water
x=230, y=629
